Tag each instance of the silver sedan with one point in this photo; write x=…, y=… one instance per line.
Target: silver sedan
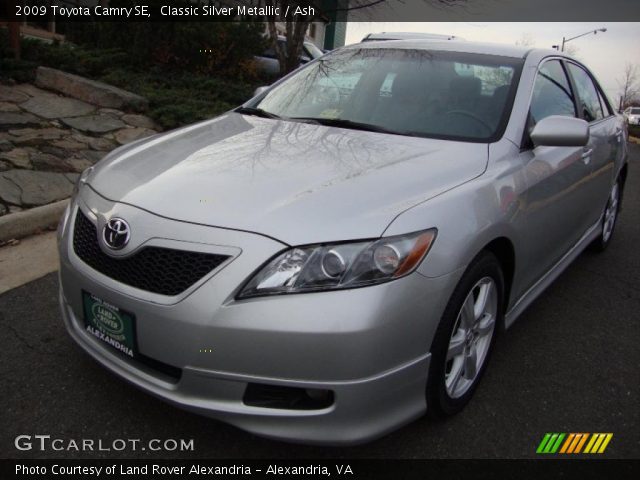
x=335, y=257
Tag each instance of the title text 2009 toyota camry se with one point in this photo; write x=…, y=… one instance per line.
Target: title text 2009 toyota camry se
x=335, y=257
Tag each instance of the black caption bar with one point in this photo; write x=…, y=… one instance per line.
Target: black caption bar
x=343, y=10
x=341, y=469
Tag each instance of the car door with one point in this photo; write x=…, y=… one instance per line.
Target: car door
x=605, y=139
x=553, y=215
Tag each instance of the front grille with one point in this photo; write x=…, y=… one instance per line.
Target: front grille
x=159, y=270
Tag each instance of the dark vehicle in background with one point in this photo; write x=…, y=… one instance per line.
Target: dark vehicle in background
x=268, y=61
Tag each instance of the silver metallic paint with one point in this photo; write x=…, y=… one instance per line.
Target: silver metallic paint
x=250, y=187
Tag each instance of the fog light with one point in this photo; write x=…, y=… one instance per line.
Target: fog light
x=288, y=398
x=317, y=395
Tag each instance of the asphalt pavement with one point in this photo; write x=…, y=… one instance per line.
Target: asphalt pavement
x=570, y=364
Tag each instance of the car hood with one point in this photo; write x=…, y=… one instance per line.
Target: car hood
x=296, y=182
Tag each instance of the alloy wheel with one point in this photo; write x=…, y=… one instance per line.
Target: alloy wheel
x=610, y=213
x=471, y=337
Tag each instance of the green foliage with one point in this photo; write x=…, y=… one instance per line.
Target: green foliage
x=4, y=43
x=223, y=48
x=73, y=59
x=20, y=71
x=182, y=84
x=177, y=99
x=634, y=131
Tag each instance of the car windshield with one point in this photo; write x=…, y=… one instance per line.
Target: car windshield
x=423, y=93
x=635, y=111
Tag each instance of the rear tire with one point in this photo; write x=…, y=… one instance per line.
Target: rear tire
x=465, y=337
x=609, y=220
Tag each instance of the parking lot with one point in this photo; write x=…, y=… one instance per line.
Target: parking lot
x=570, y=364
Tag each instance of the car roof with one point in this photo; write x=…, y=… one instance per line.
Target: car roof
x=408, y=36
x=499, y=49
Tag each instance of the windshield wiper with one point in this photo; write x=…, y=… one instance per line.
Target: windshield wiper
x=343, y=123
x=256, y=112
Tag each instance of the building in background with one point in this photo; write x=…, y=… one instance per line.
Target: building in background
x=335, y=30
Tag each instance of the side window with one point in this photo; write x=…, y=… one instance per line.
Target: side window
x=605, y=105
x=588, y=94
x=552, y=93
x=269, y=53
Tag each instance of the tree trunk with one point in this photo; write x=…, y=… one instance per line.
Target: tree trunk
x=14, y=31
x=290, y=53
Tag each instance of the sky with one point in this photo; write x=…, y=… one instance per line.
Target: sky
x=606, y=54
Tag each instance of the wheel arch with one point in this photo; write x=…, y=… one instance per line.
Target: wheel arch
x=622, y=175
x=503, y=249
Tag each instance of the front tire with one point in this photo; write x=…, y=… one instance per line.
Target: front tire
x=609, y=219
x=465, y=337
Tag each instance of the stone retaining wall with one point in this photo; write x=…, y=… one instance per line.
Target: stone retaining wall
x=47, y=139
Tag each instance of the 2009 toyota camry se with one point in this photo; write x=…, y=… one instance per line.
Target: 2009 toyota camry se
x=335, y=257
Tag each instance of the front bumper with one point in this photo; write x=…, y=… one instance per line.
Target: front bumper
x=369, y=346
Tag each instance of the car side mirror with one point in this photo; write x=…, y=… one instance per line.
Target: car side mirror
x=559, y=131
x=259, y=91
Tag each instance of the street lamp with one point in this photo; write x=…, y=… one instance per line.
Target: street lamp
x=595, y=32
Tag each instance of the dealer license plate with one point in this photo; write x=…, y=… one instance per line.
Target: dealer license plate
x=109, y=324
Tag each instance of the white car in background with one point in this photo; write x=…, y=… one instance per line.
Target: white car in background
x=632, y=116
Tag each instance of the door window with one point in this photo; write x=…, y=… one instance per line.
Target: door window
x=587, y=93
x=552, y=93
x=605, y=105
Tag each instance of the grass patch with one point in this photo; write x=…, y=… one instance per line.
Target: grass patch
x=177, y=99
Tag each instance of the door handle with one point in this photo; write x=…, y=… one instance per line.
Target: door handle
x=586, y=155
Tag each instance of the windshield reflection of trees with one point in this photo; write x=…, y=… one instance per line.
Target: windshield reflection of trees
x=408, y=91
x=273, y=145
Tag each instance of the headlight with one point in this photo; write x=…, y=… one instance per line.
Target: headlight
x=340, y=265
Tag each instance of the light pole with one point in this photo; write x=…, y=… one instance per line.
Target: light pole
x=595, y=32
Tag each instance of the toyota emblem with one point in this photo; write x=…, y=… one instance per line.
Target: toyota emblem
x=116, y=233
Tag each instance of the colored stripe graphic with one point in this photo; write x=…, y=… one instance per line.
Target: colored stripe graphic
x=598, y=442
x=581, y=443
x=544, y=441
x=550, y=443
x=567, y=442
x=573, y=443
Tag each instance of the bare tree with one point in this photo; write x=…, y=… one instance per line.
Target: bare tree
x=289, y=53
x=526, y=40
x=629, y=86
x=571, y=50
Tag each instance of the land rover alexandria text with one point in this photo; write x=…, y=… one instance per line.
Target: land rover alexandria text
x=181, y=470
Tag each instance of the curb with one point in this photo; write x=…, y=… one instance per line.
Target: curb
x=28, y=222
